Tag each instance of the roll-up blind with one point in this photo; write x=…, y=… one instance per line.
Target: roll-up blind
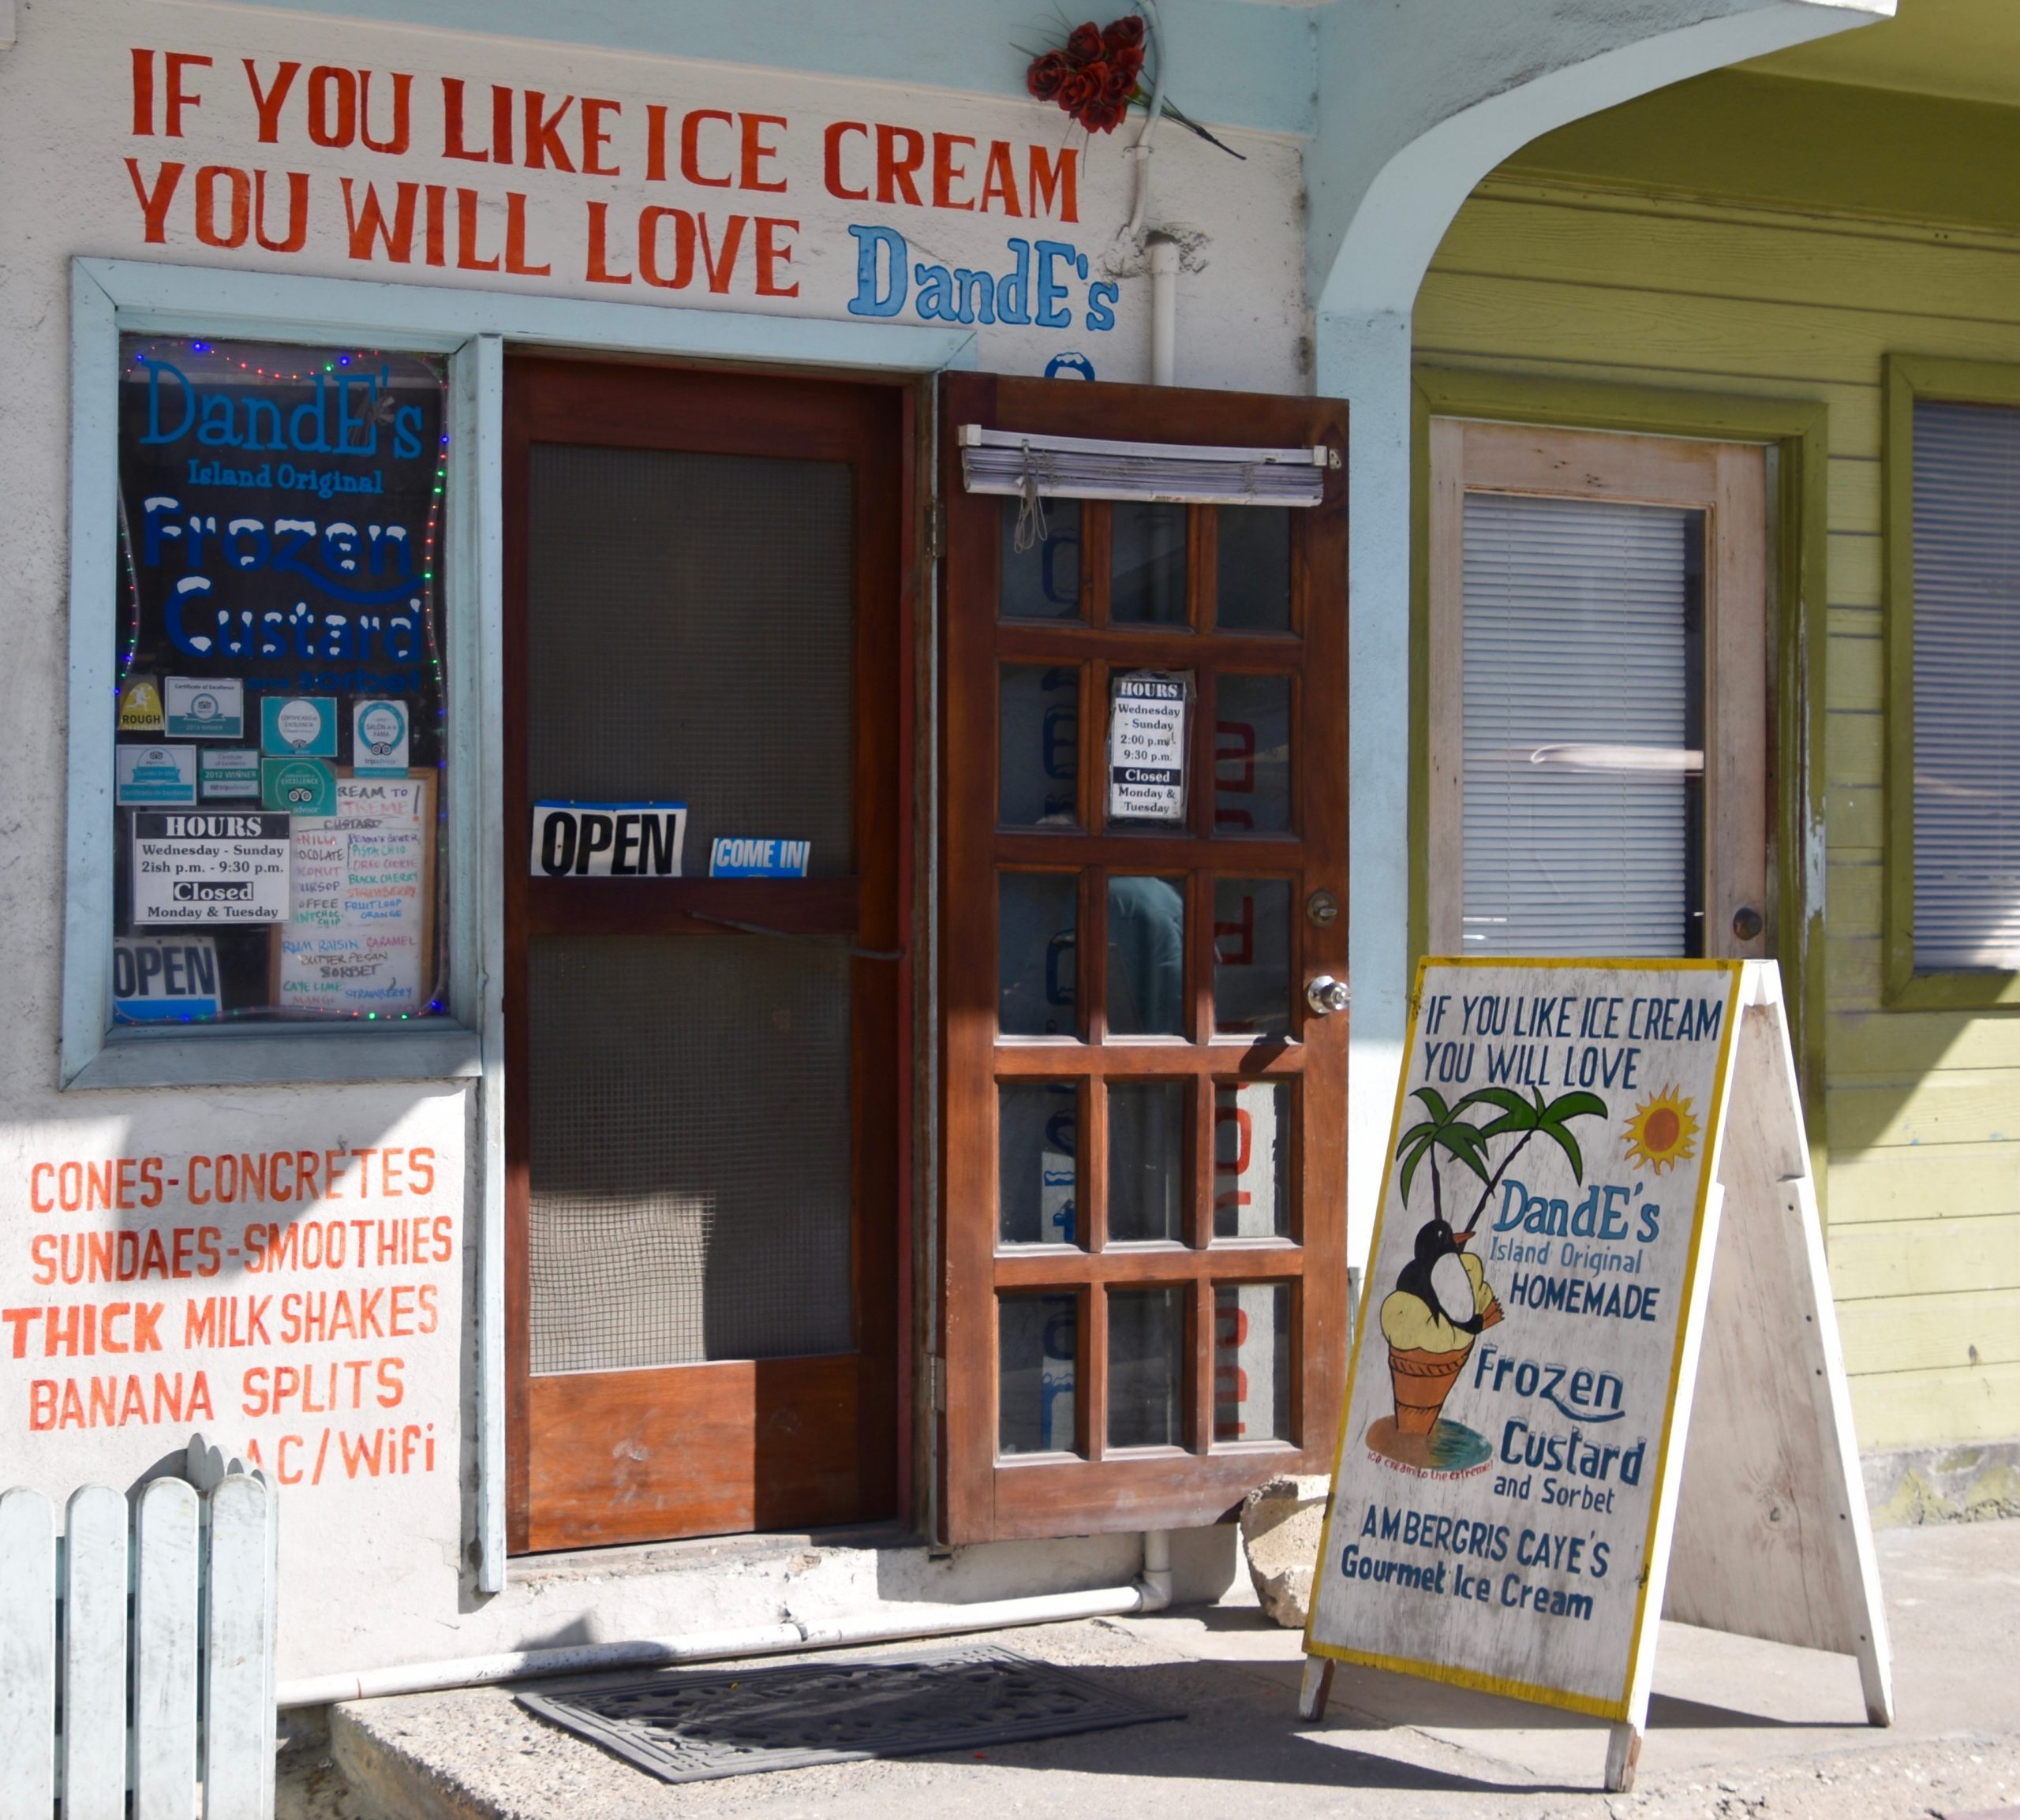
x=1584, y=749
x=1967, y=666
x=1020, y=462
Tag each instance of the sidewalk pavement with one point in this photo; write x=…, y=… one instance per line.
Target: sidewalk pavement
x=1739, y=1730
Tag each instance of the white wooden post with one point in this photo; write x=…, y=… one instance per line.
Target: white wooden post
x=238, y=1706
x=27, y=1656
x=94, y=1655
x=165, y=1642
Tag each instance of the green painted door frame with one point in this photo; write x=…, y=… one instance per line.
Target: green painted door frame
x=1798, y=433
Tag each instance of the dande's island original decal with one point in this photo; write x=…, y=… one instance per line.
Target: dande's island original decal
x=1509, y=1418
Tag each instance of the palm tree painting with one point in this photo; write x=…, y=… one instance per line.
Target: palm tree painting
x=1442, y=1301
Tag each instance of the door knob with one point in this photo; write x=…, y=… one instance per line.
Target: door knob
x=1326, y=994
x=1746, y=923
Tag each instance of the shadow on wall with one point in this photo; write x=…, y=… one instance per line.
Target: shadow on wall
x=1923, y=1223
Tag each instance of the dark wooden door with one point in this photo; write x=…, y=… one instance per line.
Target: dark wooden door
x=1143, y=1119
x=704, y=604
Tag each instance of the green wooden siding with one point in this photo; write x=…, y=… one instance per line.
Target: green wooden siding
x=1569, y=281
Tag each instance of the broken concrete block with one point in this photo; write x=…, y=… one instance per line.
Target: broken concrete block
x=1280, y=1530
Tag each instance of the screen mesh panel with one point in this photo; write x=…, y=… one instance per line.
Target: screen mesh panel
x=690, y=1153
x=1584, y=723
x=691, y=639
x=1967, y=668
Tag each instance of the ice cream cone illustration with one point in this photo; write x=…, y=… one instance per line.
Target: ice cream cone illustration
x=1422, y=1381
x=1428, y=1345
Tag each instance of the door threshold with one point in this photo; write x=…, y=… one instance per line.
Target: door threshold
x=693, y=1553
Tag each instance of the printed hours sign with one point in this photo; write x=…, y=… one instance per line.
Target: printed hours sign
x=1146, y=732
x=209, y=869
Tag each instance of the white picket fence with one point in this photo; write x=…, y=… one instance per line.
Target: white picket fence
x=136, y=1650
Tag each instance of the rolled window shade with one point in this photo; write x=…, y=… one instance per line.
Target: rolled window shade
x=1013, y=462
x=1583, y=753
x=1967, y=667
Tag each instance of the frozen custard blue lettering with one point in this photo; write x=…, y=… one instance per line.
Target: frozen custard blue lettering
x=883, y=268
x=158, y=522
x=189, y=589
x=237, y=552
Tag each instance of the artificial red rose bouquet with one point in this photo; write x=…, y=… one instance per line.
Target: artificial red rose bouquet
x=1097, y=76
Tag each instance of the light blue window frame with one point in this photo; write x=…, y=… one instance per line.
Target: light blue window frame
x=473, y=328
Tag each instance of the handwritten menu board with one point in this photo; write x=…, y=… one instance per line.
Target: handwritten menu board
x=360, y=938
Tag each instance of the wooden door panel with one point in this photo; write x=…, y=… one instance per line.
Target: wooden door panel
x=986, y=1493
x=657, y=1452
x=698, y=1450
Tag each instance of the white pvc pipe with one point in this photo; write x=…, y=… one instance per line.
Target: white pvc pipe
x=1140, y=151
x=1156, y=1578
x=1164, y=309
x=786, y=1639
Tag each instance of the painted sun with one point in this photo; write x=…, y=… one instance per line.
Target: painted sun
x=1662, y=1133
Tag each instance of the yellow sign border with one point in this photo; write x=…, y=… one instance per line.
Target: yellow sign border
x=1566, y=1699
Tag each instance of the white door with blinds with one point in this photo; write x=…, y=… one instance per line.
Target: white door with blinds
x=1599, y=694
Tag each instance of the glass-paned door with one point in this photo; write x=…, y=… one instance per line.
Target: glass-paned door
x=702, y=1006
x=1143, y=749
x=1597, y=734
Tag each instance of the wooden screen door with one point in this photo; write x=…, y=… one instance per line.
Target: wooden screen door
x=1599, y=732
x=705, y=1074
x=1143, y=1119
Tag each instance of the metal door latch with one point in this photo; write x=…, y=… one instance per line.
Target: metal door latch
x=1326, y=994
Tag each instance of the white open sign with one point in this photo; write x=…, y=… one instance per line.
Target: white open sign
x=609, y=839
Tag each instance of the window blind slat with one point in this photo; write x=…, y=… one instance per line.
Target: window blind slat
x=1578, y=749
x=1967, y=665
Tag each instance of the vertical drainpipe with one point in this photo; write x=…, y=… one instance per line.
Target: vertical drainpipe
x=1164, y=307
x=1156, y=1576
x=1164, y=325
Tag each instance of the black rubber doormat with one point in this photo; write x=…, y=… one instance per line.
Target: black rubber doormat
x=683, y=1725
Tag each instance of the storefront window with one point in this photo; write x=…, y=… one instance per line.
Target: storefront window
x=279, y=762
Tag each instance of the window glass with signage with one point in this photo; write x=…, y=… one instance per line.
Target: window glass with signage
x=279, y=753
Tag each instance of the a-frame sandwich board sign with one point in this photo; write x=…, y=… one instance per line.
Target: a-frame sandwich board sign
x=1596, y=1376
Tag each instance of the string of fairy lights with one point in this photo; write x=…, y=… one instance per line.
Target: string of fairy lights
x=270, y=364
